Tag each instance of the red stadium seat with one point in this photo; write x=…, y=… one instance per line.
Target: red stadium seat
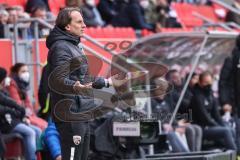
x=208, y=11
x=111, y=32
x=14, y=147
x=14, y=2
x=185, y=14
x=56, y=5
x=3, y=1
x=176, y=29
x=146, y=32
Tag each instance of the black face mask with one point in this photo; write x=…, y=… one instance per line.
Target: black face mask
x=207, y=89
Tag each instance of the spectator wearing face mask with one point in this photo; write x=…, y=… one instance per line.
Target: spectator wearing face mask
x=132, y=15
x=11, y=115
x=91, y=14
x=206, y=113
x=18, y=88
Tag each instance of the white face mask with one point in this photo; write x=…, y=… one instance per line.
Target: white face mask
x=25, y=76
x=144, y=4
x=90, y=2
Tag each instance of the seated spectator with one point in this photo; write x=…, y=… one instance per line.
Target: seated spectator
x=41, y=13
x=162, y=15
x=232, y=16
x=92, y=17
x=109, y=9
x=19, y=9
x=157, y=12
x=3, y=16
x=11, y=115
x=188, y=95
x=132, y=15
x=193, y=131
x=19, y=85
x=16, y=13
x=31, y=4
x=206, y=114
x=13, y=16
x=3, y=21
x=175, y=134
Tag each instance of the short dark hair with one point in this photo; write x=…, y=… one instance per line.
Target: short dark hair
x=238, y=41
x=169, y=73
x=15, y=69
x=35, y=8
x=204, y=74
x=64, y=17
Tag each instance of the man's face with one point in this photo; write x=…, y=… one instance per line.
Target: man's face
x=207, y=80
x=77, y=25
x=176, y=79
x=13, y=17
x=40, y=13
x=4, y=18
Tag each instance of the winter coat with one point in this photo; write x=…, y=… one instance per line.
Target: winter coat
x=67, y=65
x=15, y=93
x=204, y=108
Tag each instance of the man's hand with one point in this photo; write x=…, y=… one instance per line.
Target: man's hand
x=227, y=108
x=59, y=157
x=26, y=120
x=167, y=128
x=79, y=88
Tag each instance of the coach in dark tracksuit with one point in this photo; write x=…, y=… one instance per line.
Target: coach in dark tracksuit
x=68, y=77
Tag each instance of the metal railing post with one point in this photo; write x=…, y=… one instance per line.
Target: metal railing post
x=37, y=55
x=15, y=35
